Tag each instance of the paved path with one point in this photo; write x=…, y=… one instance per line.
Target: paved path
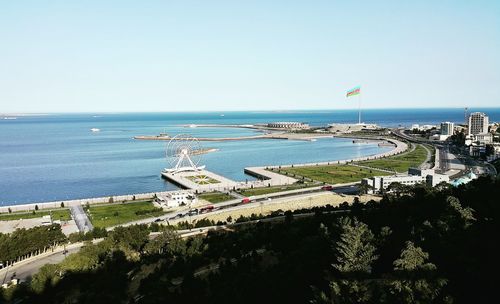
x=372, y=168
x=25, y=269
x=81, y=219
x=427, y=163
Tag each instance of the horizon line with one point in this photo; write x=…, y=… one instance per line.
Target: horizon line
x=229, y=110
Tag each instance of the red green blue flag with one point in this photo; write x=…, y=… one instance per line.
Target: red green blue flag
x=354, y=91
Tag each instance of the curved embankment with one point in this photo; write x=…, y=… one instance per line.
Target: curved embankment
x=400, y=147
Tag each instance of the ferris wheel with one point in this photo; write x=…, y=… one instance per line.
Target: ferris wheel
x=183, y=153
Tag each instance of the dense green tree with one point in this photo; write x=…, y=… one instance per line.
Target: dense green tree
x=414, y=278
x=465, y=214
x=130, y=238
x=355, y=254
x=24, y=242
x=167, y=242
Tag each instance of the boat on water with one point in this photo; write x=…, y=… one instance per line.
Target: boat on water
x=222, y=115
x=95, y=130
x=10, y=118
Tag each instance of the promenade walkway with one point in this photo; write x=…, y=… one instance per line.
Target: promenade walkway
x=265, y=179
x=82, y=221
x=400, y=148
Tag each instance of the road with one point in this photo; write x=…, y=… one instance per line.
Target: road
x=27, y=268
x=291, y=194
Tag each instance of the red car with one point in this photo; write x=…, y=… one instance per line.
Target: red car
x=209, y=208
x=327, y=188
x=245, y=200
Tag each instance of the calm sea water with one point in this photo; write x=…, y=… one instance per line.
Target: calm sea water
x=56, y=157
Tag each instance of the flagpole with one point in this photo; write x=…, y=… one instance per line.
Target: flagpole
x=359, y=108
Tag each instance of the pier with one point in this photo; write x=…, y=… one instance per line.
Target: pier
x=275, y=135
x=187, y=180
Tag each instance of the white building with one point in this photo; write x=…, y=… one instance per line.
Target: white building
x=414, y=176
x=176, y=198
x=349, y=128
x=484, y=138
x=478, y=123
x=422, y=127
x=447, y=128
x=288, y=125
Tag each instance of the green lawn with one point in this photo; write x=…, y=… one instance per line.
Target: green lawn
x=334, y=174
x=399, y=163
x=267, y=190
x=58, y=214
x=118, y=213
x=215, y=197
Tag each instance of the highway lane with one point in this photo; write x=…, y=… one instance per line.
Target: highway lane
x=27, y=268
x=291, y=194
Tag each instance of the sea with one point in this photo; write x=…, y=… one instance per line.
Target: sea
x=55, y=157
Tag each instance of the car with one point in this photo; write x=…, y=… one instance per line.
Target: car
x=158, y=220
x=209, y=208
x=327, y=188
x=193, y=212
x=245, y=200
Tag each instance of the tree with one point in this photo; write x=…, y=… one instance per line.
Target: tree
x=355, y=253
x=36, y=207
x=130, y=238
x=355, y=249
x=111, y=200
x=465, y=214
x=62, y=204
x=415, y=280
x=166, y=242
x=364, y=188
x=398, y=189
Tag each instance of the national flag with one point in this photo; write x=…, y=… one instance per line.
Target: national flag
x=354, y=91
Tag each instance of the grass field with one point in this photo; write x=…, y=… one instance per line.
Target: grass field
x=215, y=197
x=116, y=214
x=337, y=174
x=58, y=214
x=334, y=174
x=267, y=190
x=399, y=163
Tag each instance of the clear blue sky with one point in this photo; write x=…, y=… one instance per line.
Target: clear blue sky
x=70, y=56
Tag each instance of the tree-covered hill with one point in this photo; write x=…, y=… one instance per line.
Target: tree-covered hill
x=418, y=245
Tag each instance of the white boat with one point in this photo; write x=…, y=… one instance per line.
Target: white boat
x=95, y=130
x=10, y=118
